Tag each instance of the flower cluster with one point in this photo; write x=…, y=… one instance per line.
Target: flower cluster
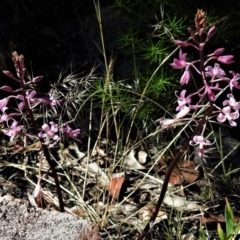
x=210, y=77
x=50, y=133
x=28, y=100
x=21, y=121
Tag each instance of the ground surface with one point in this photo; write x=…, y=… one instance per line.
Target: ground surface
x=19, y=220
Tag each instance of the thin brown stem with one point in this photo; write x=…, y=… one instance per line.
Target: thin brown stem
x=170, y=169
x=19, y=64
x=200, y=22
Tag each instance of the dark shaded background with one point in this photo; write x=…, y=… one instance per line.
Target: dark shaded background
x=51, y=33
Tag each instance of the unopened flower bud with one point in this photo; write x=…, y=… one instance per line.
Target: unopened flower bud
x=227, y=59
x=185, y=77
x=219, y=51
x=192, y=33
x=210, y=33
x=7, y=88
x=9, y=74
x=37, y=79
x=181, y=43
x=201, y=31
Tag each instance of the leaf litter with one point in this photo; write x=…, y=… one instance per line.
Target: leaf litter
x=124, y=195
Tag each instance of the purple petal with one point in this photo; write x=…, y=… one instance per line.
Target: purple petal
x=211, y=95
x=3, y=103
x=183, y=92
x=21, y=105
x=200, y=152
x=54, y=127
x=234, y=115
x=221, y=118
x=20, y=97
x=183, y=112
x=211, y=32
x=227, y=59
x=181, y=43
x=182, y=56
x=219, y=51
x=226, y=110
x=185, y=77
x=232, y=123
x=32, y=94
x=42, y=135
x=46, y=128
x=178, y=64
x=7, y=89
x=7, y=73
x=55, y=137
x=198, y=139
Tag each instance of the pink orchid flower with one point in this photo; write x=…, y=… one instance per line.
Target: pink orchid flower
x=208, y=90
x=232, y=102
x=226, y=114
x=3, y=104
x=183, y=101
x=185, y=77
x=69, y=132
x=181, y=62
x=199, y=140
x=5, y=117
x=33, y=102
x=52, y=101
x=13, y=130
x=50, y=133
x=233, y=82
x=214, y=72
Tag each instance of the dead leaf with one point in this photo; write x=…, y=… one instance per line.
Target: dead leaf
x=162, y=161
x=142, y=157
x=181, y=203
x=211, y=218
x=37, y=145
x=75, y=147
x=146, y=212
x=189, y=171
x=96, y=171
x=114, y=186
x=132, y=162
x=101, y=152
x=78, y=211
x=175, y=177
